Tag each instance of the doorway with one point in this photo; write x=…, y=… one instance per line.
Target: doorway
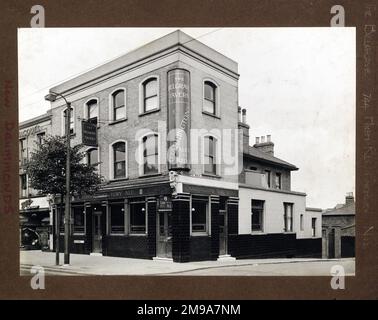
x=97, y=232
x=222, y=232
x=164, y=234
x=331, y=244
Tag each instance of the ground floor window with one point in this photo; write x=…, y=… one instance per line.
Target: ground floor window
x=288, y=217
x=257, y=215
x=313, y=227
x=117, y=218
x=138, y=216
x=200, y=212
x=78, y=214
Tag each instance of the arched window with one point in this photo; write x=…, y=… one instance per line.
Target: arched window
x=119, y=160
x=119, y=105
x=150, y=154
x=209, y=102
x=92, y=110
x=92, y=157
x=71, y=121
x=150, y=94
x=210, y=160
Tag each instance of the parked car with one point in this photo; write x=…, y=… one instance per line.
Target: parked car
x=30, y=239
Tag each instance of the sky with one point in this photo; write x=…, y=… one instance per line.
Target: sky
x=297, y=84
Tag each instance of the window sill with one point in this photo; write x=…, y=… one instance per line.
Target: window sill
x=199, y=234
x=138, y=234
x=78, y=234
x=118, y=179
x=117, y=121
x=149, y=112
x=72, y=135
x=149, y=175
x=117, y=235
x=211, y=175
x=211, y=114
x=258, y=233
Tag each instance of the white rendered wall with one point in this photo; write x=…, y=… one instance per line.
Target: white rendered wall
x=273, y=219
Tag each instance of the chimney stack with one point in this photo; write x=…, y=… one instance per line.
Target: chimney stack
x=349, y=199
x=265, y=146
x=244, y=128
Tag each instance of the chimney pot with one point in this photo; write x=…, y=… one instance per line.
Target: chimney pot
x=349, y=199
x=267, y=147
x=239, y=114
x=244, y=112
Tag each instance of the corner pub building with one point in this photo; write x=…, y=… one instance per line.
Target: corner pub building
x=148, y=207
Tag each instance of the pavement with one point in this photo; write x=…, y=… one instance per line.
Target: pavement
x=85, y=265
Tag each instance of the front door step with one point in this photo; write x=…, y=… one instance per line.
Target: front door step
x=96, y=254
x=226, y=257
x=162, y=259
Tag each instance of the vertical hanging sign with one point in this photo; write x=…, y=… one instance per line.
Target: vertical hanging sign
x=178, y=119
x=89, y=133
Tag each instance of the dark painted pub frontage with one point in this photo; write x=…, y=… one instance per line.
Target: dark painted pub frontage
x=149, y=222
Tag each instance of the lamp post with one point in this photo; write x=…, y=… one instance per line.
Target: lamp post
x=52, y=96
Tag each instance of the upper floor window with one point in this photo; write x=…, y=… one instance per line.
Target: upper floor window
x=278, y=180
x=150, y=154
x=41, y=138
x=288, y=217
x=150, y=94
x=210, y=160
x=22, y=149
x=267, y=178
x=23, y=184
x=301, y=222
x=119, y=104
x=92, y=157
x=92, y=110
x=71, y=120
x=209, y=102
x=119, y=160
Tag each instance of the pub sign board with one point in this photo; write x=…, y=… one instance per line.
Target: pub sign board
x=89, y=133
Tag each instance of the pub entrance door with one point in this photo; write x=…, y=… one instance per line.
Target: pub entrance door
x=97, y=232
x=164, y=234
x=222, y=232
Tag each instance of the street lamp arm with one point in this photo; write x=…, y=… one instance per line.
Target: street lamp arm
x=60, y=95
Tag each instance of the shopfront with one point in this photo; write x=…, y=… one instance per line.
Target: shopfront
x=151, y=223
x=34, y=223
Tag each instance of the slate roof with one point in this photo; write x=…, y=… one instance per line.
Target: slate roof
x=267, y=158
x=345, y=210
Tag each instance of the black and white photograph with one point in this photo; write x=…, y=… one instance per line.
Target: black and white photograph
x=187, y=151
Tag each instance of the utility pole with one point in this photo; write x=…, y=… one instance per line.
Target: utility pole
x=67, y=207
